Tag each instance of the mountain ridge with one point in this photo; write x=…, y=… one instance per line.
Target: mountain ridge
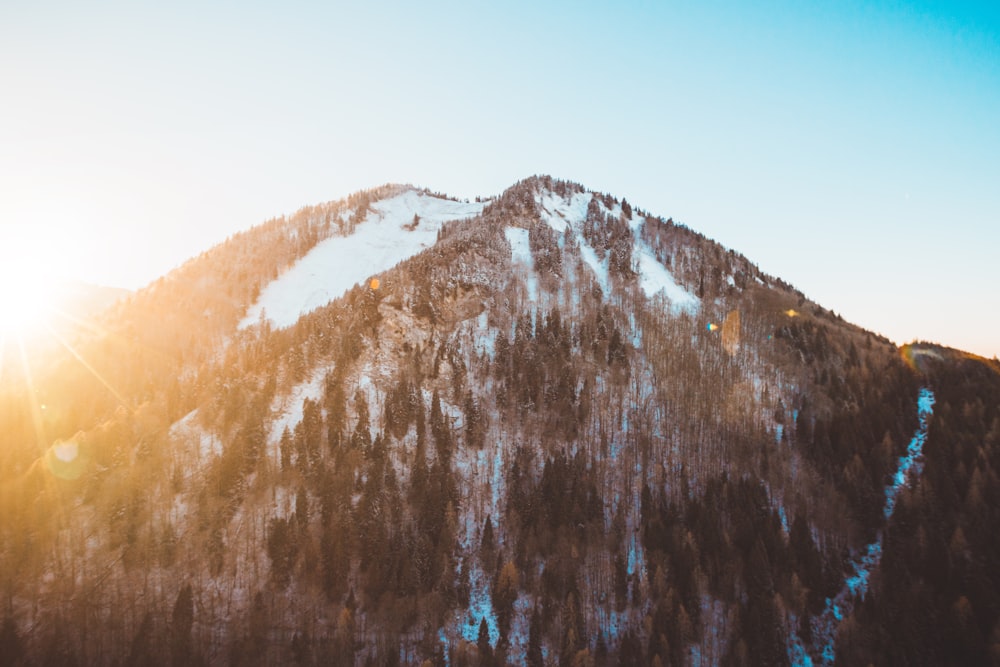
x=565, y=431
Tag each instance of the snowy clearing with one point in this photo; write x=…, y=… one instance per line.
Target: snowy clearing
x=558, y=212
x=654, y=278
x=598, y=266
x=289, y=409
x=520, y=253
x=337, y=264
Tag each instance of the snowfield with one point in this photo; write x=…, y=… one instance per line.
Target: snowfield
x=337, y=264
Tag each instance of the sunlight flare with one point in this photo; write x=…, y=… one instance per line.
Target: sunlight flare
x=36, y=411
x=65, y=460
x=69, y=348
x=28, y=294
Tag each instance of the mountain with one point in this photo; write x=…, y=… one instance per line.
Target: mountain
x=84, y=300
x=542, y=428
x=62, y=311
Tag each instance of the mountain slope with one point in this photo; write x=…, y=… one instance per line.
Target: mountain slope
x=396, y=228
x=558, y=430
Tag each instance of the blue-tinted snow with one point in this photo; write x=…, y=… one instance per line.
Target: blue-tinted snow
x=480, y=607
x=443, y=638
x=824, y=626
x=784, y=518
x=520, y=630
x=912, y=460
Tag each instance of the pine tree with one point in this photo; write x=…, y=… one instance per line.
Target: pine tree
x=483, y=644
x=534, y=654
x=181, y=621
x=11, y=645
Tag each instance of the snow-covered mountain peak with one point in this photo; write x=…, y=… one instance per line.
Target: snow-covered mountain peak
x=570, y=431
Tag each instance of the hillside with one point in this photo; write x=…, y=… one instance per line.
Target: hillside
x=543, y=428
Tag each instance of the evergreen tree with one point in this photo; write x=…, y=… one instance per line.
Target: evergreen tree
x=483, y=644
x=181, y=621
x=11, y=645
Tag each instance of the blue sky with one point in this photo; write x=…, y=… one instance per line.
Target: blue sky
x=850, y=148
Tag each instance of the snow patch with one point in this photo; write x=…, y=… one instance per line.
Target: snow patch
x=337, y=264
x=520, y=253
x=599, y=267
x=559, y=213
x=289, y=409
x=187, y=429
x=654, y=278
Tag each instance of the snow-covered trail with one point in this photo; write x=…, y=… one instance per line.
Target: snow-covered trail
x=824, y=626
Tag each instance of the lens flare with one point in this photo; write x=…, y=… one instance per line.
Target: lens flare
x=791, y=312
x=66, y=451
x=65, y=460
x=731, y=332
x=83, y=362
x=916, y=357
x=27, y=296
x=711, y=326
x=374, y=283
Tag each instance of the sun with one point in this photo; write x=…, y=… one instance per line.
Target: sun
x=28, y=295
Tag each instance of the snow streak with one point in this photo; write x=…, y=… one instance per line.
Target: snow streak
x=824, y=626
x=388, y=235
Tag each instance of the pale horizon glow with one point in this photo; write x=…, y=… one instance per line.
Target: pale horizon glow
x=28, y=295
x=849, y=148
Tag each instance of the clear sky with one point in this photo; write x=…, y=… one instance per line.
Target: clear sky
x=850, y=148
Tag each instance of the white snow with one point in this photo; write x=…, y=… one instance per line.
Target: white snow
x=599, y=267
x=485, y=336
x=520, y=253
x=284, y=502
x=559, y=213
x=289, y=409
x=654, y=278
x=187, y=429
x=337, y=264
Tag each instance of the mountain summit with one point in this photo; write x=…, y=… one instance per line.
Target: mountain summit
x=543, y=428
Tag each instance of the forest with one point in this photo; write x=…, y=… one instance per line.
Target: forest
x=490, y=458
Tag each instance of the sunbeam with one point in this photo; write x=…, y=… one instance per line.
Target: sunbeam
x=83, y=323
x=83, y=362
x=36, y=412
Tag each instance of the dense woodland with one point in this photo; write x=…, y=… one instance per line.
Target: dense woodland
x=487, y=462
